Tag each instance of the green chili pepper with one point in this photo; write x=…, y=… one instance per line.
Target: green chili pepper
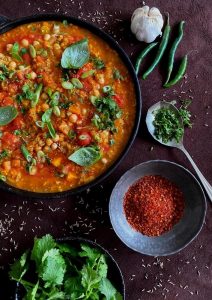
x=161, y=49
x=180, y=73
x=142, y=55
x=173, y=50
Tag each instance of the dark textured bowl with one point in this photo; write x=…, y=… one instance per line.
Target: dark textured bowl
x=6, y=25
x=114, y=272
x=183, y=232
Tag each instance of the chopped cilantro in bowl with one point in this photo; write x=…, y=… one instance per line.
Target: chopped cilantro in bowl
x=67, y=269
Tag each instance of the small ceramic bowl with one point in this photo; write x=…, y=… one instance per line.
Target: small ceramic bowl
x=183, y=232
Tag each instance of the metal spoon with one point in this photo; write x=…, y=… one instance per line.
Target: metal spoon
x=149, y=121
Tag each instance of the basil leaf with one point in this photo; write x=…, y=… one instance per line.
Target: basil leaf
x=7, y=114
x=85, y=156
x=76, y=55
x=15, y=52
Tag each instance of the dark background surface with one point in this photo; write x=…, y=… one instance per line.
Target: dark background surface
x=188, y=274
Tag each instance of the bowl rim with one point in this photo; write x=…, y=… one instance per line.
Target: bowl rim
x=6, y=25
x=204, y=202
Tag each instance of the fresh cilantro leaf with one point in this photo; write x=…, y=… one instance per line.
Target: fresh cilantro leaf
x=53, y=268
x=66, y=248
x=4, y=153
x=42, y=245
x=73, y=287
x=91, y=253
x=15, y=52
x=107, y=289
x=117, y=75
x=102, y=266
x=31, y=294
x=55, y=294
x=186, y=116
x=19, y=268
x=90, y=278
x=5, y=73
x=98, y=63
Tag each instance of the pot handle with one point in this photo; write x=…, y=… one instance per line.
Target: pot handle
x=4, y=20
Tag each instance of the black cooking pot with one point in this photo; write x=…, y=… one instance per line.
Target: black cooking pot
x=6, y=25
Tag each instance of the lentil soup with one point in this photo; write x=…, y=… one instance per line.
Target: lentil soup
x=67, y=106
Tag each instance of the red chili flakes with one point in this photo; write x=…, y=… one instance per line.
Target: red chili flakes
x=153, y=205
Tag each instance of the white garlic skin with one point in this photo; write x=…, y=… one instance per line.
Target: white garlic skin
x=146, y=23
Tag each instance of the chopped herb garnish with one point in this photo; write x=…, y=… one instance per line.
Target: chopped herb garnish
x=17, y=132
x=98, y=63
x=167, y=125
x=109, y=112
x=23, y=51
x=117, y=75
x=5, y=73
x=15, y=52
x=4, y=153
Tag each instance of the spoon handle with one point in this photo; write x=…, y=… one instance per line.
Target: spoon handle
x=204, y=182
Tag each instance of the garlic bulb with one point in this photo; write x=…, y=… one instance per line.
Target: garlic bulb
x=146, y=23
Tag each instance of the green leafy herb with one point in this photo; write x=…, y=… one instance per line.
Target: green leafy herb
x=17, y=132
x=71, y=134
x=23, y=51
x=5, y=73
x=85, y=156
x=7, y=114
x=15, y=52
x=63, y=272
x=117, y=75
x=109, y=112
x=4, y=153
x=98, y=63
x=30, y=94
x=76, y=55
x=167, y=125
